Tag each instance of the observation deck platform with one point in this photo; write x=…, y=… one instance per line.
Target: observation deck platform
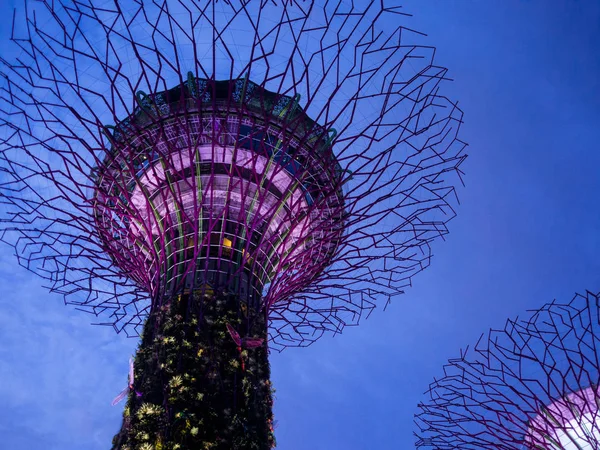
x=221, y=184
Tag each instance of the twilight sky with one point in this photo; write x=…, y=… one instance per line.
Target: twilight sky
x=526, y=75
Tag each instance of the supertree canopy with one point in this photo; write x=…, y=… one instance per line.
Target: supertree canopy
x=222, y=174
x=532, y=386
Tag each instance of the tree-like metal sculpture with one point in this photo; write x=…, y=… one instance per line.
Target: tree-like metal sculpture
x=533, y=385
x=229, y=173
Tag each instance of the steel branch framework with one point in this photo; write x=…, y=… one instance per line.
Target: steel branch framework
x=532, y=385
x=300, y=155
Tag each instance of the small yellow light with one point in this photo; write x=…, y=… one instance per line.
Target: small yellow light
x=227, y=242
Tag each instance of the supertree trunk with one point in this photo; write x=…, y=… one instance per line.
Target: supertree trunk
x=197, y=384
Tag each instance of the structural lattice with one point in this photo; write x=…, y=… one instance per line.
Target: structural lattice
x=533, y=385
x=298, y=155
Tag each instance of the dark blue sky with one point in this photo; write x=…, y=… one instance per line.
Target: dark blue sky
x=527, y=76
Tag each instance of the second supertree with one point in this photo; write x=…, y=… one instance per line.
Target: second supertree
x=532, y=386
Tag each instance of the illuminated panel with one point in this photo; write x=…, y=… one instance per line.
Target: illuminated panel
x=219, y=194
x=571, y=423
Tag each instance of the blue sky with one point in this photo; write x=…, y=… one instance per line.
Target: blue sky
x=526, y=75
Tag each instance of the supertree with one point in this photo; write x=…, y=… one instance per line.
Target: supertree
x=533, y=385
x=219, y=175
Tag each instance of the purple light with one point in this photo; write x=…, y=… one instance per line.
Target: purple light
x=220, y=206
x=571, y=423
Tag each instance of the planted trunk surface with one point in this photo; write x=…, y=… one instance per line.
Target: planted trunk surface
x=201, y=378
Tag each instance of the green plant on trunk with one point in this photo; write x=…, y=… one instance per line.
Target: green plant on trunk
x=195, y=387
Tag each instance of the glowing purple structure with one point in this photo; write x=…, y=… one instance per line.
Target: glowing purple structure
x=220, y=183
x=533, y=385
x=569, y=423
x=305, y=161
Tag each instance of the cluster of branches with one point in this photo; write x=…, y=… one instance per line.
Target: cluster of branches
x=76, y=67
